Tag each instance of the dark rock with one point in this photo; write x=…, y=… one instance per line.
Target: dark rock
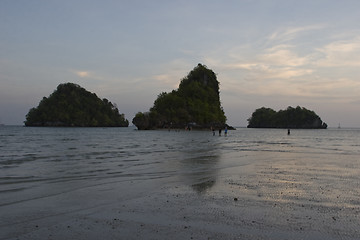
x=72, y=106
x=195, y=105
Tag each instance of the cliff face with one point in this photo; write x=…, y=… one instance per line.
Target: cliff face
x=290, y=118
x=195, y=104
x=71, y=105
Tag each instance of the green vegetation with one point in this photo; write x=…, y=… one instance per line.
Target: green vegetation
x=195, y=103
x=71, y=105
x=290, y=118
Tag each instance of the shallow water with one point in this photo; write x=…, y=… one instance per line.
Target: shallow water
x=305, y=182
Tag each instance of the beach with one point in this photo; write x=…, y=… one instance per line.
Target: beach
x=210, y=187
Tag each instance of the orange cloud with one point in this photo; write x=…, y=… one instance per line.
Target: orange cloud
x=82, y=74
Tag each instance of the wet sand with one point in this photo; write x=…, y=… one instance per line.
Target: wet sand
x=272, y=198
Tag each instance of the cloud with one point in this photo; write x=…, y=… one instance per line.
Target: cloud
x=292, y=33
x=281, y=55
x=322, y=73
x=177, y=69
x=82, y=74
x=342, y=53
x=284, y=66
x=286, y=73
x=323, y=89
x=166, y=79
x=280, y=62
x=245, y=66
x=92, y=75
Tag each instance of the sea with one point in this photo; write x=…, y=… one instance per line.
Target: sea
x=307, y=181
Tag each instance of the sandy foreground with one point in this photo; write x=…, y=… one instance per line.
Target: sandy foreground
x=263, y=201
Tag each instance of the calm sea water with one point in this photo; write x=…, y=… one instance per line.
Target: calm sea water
x=51, y=171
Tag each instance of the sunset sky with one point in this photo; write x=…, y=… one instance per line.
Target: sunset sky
x=275, y=54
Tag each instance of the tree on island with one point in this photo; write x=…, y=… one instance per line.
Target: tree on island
x=290, y=118
x=195, y=103
x=72, y=106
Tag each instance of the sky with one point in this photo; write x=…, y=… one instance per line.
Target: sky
x=274, y=54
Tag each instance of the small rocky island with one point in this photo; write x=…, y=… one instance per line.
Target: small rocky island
x=72, y=106
x=194, y=105
x=296, y=118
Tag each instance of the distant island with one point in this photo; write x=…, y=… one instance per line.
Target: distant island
x=194, y=105
x=296, y=118
x=72, y=106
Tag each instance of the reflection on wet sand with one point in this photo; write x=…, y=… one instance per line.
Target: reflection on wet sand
x=200, y=172
x=203, y=186
x=199, y=165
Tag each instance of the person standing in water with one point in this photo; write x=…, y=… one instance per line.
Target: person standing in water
x=225, y=131
x=219, y=131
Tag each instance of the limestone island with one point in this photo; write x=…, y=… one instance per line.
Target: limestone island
x=194, y=105
x=296, y=118
x=72, y=106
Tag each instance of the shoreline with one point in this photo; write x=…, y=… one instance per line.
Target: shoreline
x=105, y=184
x=235, y=205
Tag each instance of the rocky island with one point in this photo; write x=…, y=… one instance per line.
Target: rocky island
x=194, y=105
x=296, y=118
x=72, y=106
